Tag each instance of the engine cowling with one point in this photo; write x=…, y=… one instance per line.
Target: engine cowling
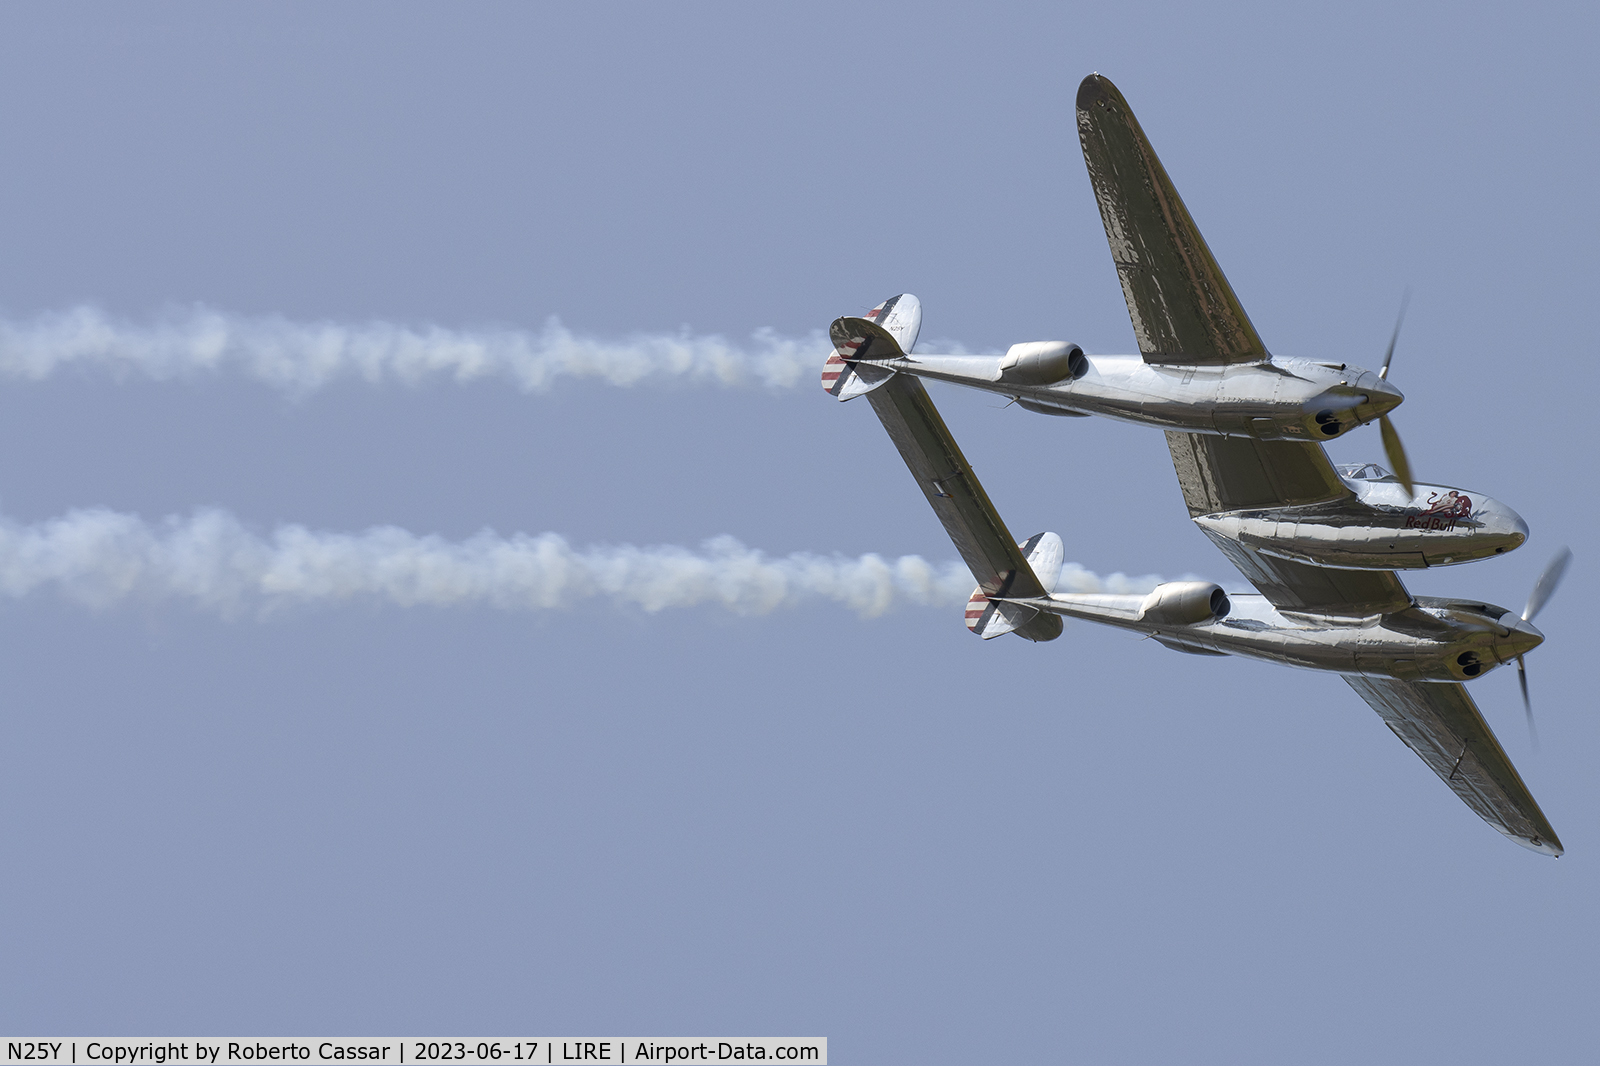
x=1184, y=603
x=1042, y=363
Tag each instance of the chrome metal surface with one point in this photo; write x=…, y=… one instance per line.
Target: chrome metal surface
x=1378, y=525
x=1202, y=367
x=1443, y=725
x=1405, y=655
x=1280, y=399
x=1433, y=640
x=1408, y=665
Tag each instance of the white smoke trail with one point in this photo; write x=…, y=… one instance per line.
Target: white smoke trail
x=212, y=561
x=303, y=356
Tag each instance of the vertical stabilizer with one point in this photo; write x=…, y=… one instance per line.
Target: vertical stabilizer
x=894, y=324
x=901, y=316
x=995, y=618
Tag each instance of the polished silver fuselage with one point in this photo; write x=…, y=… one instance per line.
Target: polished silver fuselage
x=1434, y=640
x=1274, y=399
x=1380, y=526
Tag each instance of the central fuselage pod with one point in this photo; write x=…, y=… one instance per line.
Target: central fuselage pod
x=1274, y=399
x=1380, y=526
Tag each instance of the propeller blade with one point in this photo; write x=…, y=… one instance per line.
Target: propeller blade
x=1388, y=355
x=1527, y=704
x=1396, y=453
x=1545, y=587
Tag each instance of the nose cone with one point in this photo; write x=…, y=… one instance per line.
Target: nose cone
x=1523, y=638
x=1500, y=526
x=1351, y=402
x=1382, y=397
x=1516, y=532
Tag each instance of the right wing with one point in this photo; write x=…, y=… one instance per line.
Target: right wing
x=1183, y=309
x=1441, y=724
x=1235, y=473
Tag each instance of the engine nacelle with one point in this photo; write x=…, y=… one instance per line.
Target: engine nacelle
x=1184, y=603
x=1042, y=363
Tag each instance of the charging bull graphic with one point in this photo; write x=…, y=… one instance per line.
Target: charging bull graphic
x=1443, y=512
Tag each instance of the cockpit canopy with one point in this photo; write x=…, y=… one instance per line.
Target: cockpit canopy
x=1363, y=471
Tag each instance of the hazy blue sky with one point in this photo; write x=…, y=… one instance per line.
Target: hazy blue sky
x=930, y=849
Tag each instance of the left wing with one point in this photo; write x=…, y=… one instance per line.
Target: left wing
x=1441, y=724
x=1183, y=309
x=1234, y=473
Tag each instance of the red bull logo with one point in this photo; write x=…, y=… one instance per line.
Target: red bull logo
x=1443, y=512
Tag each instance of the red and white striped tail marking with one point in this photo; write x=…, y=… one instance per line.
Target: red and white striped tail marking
x=979, y=612
x=833, y=372
x=990, y=619
x=843, y=375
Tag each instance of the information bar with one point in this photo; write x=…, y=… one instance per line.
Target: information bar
x=410, y=1051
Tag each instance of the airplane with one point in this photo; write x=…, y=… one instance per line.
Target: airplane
x=1288, y=501
x=1202, y=368
x=1407, y=657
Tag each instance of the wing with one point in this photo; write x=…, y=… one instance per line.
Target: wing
x=946, y=479
x=1441, y=723
x=1233, y=473
x=1183, y=309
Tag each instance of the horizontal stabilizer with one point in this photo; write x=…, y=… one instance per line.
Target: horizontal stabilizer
x=858, y=338
x=996, y=560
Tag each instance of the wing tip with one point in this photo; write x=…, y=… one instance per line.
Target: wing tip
x=1544, y=845
x=1097, y=89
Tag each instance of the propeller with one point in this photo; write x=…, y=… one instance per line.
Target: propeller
x=1388, y=356
x=1543, y=589
x=1393, y=450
